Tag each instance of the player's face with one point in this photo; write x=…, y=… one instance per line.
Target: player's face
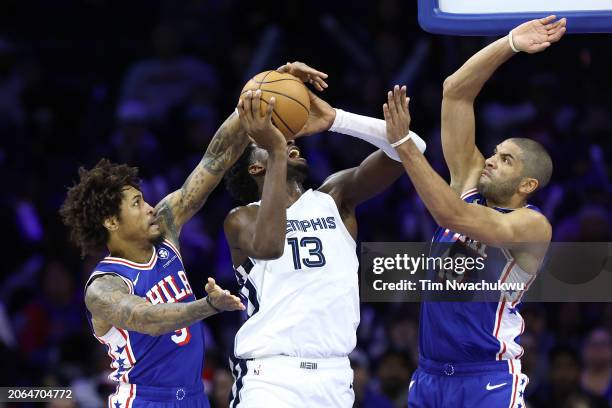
x=137, y=220
x=502, y=174
x=297, y=166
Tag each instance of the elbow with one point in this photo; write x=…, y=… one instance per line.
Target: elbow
x=450, y=87
x=457, y=89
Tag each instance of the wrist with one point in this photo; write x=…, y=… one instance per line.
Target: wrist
x=401, y=140
x=337, y=121
x=511, y=42
x=330, y=118
x=277, y=151
x=211, y=305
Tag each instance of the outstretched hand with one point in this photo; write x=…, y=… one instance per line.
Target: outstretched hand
x=537, y=35
x=222, y=299
x=320, y=118
x=305, y=73
x=258, y=126
x=397, y=116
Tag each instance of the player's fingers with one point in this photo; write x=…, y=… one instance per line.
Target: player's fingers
x=557, y=36
x=270, y=109
x=403, y=99
x=397, y=97
x=391, y=106
x=387, y=115
x=248, y=101
x=320, y=84
x=548, y=19
x=240, y=108
x=283, y=68
x=256, y=104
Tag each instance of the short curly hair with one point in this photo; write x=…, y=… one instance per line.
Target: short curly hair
x=96, y=197
x=238, y=182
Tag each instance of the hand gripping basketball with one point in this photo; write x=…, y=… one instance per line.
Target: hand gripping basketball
x=259, y=127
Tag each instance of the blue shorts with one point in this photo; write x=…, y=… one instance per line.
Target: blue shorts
x=486, y=385
x=142, y=396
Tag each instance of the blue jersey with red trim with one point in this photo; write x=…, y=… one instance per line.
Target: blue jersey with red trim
x=473, y=331
x=172, y=359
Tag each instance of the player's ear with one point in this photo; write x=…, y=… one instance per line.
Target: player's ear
x=528, y=185
x=111, y=223
x=256, y=169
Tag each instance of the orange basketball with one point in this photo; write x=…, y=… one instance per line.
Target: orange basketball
x=292, y=102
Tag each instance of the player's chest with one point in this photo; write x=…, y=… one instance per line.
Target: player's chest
x=164, y=284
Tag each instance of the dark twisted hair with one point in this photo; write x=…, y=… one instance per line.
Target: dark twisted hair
x=238, y=182
x=96, y=197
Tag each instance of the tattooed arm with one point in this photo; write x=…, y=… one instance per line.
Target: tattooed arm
x=224, y=149
x=111, y=304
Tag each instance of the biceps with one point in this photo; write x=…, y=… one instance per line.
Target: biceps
x=458, y=139
x=494, y=228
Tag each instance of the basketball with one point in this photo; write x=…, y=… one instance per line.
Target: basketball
x=292, y=102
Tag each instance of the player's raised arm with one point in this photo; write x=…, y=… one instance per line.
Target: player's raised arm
x=479, y=222
x=259, y=231
x=224, y=149
x=460, y=90
x=109, y=300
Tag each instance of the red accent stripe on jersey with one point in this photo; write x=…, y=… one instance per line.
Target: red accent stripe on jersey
x=497, y=327
x=127, y=346
x=174, y=248
x=514, y=389
x=128, y=403
x=522, y=330
x=468, y=193
x=508, y=269
x=529, y=282
x=121, y=261
x=511, y=367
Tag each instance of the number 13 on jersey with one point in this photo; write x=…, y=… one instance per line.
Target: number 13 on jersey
x=314, y=247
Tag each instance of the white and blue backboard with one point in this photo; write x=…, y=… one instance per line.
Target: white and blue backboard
x=494, y=17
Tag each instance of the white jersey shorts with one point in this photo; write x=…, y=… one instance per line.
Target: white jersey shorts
x=292, y=382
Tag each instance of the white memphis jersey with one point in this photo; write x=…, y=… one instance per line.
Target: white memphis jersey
x=305, y=303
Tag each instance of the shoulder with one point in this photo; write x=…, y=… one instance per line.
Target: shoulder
x=240, y=216
x=101, y=284
x=533, y=222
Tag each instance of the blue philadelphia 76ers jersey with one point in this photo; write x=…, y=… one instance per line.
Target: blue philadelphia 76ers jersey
x=172, y=359
x=473, y=331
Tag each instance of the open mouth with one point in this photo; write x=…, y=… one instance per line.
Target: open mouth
x=294, y=153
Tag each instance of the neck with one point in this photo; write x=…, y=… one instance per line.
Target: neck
x=513, y=202
x=135, y=252
x=294, y=191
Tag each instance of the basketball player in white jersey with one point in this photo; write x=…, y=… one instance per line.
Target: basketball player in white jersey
x=469, y=352
x=295, y=257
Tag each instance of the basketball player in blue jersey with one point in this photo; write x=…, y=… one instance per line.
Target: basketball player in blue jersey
x=295, y=257
x=140, y=303
x=469, y=352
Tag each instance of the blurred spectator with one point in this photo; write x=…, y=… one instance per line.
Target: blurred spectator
x=54, y=314
x=597, y=359
x=563, y=389
x=169, y=78
x=394, y=372
x=221, y=388
x=365, y=394
x=12, y=85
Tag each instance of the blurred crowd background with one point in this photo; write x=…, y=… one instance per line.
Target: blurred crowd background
x=148, y=83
